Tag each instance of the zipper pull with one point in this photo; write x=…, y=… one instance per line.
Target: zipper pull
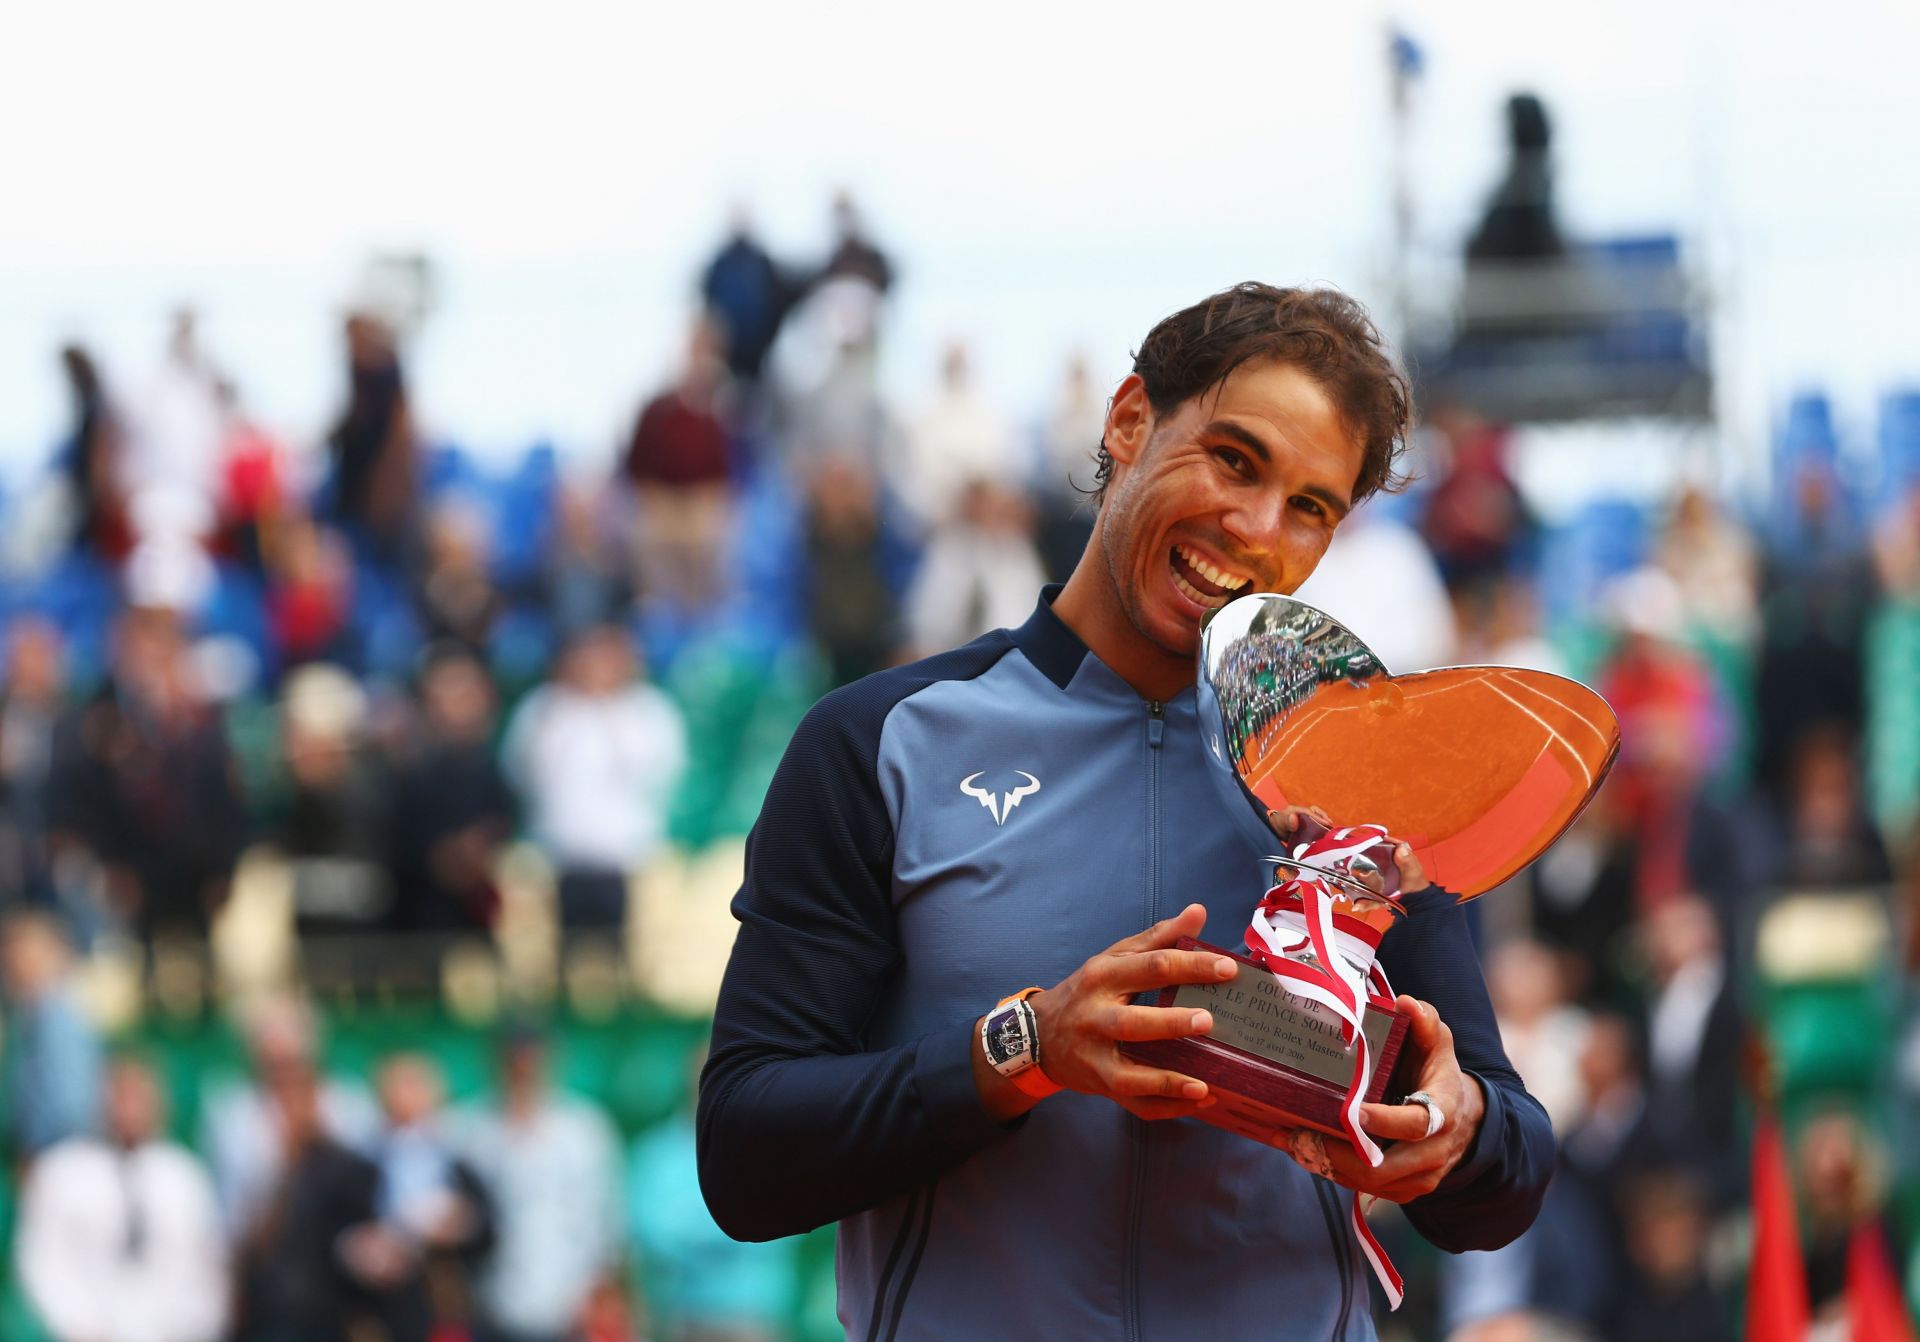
x=1156, y=723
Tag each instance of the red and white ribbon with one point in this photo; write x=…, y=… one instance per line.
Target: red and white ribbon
x=1329, y=958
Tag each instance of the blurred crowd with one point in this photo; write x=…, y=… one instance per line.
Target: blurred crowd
x=416, y=687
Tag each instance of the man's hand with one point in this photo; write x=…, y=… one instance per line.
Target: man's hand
x=1416, y=1163
x=1085, y=1017
x=1413, y=876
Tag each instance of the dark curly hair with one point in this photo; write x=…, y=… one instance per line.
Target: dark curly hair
x=1321, y=331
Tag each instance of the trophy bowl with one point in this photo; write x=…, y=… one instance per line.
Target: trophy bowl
x=1479, y=768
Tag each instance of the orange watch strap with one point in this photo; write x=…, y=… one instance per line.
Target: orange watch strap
x=1033, y=1082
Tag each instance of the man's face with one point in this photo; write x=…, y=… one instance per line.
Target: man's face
x=1236, y=490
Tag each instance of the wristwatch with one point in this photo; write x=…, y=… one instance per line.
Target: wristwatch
x=1011, y=1041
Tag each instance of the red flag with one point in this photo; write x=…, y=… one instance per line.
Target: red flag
x=1777, y=1276
x=1875, y=1310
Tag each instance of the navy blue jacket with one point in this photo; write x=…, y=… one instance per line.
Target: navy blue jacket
x=886, y=907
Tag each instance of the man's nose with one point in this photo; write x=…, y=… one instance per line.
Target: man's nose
x=1256, y=525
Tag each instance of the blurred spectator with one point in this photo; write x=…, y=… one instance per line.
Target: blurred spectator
x=30, y=708
x=1672, y=730
x=298, y=1279
x=1475, y=519
x=1407, y=622
x=452, y=809
x=1069, y=440
x=1501, y=627
x=1825, y=834
x=1695, y=1037
x=680, y=462
x=1519, y=223
x=1521, y=1326
x=749, y=295
x=144, y=786
x=434, y=1221
x=1607, y=1150
x=458, y=601
x=597, y=753
x=1581, y=893
x=1541, y=1032
x=119, y=1237
x=854, y=280
x=844, y=416
x=90, y=460
x=587, y=581
x=1816, y=596
x=1896, y=547
x=372, y=445
x=958, y=441
x=309, y=592
x=1552, y=1282
x=52, y=1058
x=253, y=488
x=171, y=464
x=853, y=609
x=1668, y=1297
x=1844, y=1189
x=1711, y=560
x=1612, y=1141
x=244, y=1127
x=551, y=1164
x=980, y=570
x=333, y=824
x=702, y=1285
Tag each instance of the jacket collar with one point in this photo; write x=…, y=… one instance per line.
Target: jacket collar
x=1048, y=643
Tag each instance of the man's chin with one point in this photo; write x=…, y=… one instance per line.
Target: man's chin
x=1175, y=637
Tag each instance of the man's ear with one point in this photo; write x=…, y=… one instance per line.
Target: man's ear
x=1129, y=421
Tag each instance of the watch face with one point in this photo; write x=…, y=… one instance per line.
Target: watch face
x=1005, y=1040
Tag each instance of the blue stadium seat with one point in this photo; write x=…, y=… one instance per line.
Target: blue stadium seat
x=1805, y=433
x=237, y=609
x=523, y=504
x=1899, y=441
x=1605, y=539
x=447, y=467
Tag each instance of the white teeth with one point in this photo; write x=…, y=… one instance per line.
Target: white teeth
x=1195, y=595
x=1217, y=577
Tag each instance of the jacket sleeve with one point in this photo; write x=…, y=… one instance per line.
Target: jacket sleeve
x=800, y=1123
x=1495, y=1191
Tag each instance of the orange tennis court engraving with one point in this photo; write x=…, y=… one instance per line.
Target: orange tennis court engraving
x=1477, y=767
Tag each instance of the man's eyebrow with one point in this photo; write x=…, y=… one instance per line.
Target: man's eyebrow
x=1226, y=428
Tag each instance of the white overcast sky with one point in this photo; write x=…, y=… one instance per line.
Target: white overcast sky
x=1047, y=176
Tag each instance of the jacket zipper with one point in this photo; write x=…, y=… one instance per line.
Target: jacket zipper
x=1142, y=1130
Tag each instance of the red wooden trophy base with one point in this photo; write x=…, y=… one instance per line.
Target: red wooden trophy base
x=1274, y=1061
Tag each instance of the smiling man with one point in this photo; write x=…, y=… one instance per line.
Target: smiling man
x=966, y=869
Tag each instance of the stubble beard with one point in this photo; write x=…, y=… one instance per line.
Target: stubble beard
x=1132, y=601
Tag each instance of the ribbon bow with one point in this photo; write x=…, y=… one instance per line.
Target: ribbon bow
x=1328, y=957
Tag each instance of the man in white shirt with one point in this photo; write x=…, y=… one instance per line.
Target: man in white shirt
x=596, y=753
x=243, y=1123
x=120, y=1238
x=959, y=438
x=551, y=1164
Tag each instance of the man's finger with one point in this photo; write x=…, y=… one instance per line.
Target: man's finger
x=1396, y=1122
x=1413, y=876
x=1146, y=1022
x=1424, y=1028
x=1164, y=968
x=1128, y=1079
x=1186, y=923
x=1406, y=1163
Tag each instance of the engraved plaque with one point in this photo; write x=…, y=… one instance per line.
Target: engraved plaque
x=1255, y=1014
x=1274, y=1061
